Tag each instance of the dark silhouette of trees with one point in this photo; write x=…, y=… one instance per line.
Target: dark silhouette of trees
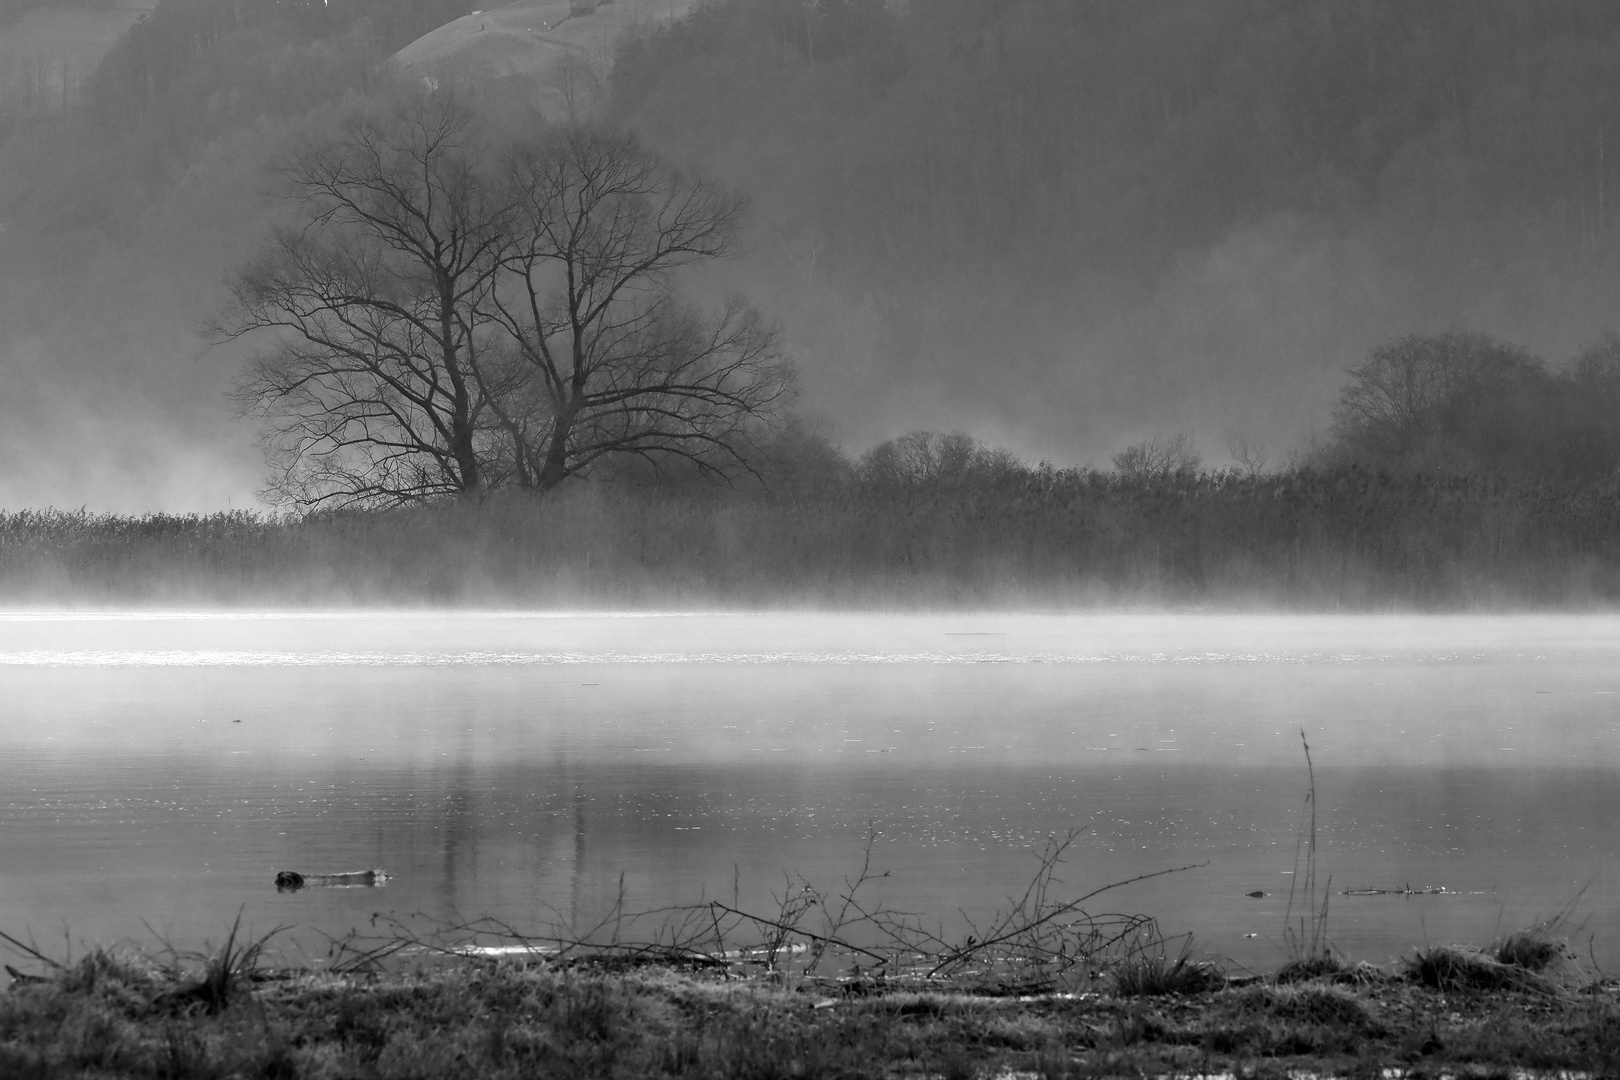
x=617, y=362
x=373, y=387
x=1591, y=384
x=1454, y=402
x=1158, y=458
x=1463, y=403
x=442, y=326
x=933, y=461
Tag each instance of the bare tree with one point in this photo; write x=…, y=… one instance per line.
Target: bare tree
x=579, y=79
x=439, y=327
x=1158, y=458
x=372, y=384
x=1249, y=458
x=617, y=363
x=929, y=458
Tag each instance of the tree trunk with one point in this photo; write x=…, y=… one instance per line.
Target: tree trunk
x=554, y=470
x=461, y=423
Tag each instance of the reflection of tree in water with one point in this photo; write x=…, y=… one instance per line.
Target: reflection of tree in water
x=578, y=875
x=459, y=830
x=512, y=841
x=564, y=782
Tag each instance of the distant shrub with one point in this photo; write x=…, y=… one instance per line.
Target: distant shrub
x=1326, y=1005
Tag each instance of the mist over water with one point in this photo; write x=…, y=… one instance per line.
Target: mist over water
x=165, y=767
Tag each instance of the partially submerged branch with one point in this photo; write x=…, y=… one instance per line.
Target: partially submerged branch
x=1038, y=941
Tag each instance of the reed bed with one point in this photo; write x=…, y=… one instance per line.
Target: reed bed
x=1000, y=536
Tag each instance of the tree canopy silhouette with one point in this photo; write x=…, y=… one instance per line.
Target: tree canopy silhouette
x=616, y=362
x=446, y=314
x=371, y=384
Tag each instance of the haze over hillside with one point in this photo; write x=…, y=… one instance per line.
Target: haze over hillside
x=1056, y=226
x=536, y=38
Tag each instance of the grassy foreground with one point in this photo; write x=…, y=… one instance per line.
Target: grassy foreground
x=1447, y=1012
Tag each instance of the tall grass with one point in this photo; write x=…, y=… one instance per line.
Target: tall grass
x=1155, y=970
x=1007, y=535
x=1309, y=951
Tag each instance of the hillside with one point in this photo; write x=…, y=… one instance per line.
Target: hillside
x=563, y=48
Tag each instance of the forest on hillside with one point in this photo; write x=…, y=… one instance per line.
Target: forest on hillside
x=1062, y=228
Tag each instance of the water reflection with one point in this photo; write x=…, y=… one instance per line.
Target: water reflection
x=1479, y=755
x=577, y=877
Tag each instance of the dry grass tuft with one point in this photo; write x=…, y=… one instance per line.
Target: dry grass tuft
x=1546, y=944
x=1529, y=949
x=1307, y=968
x=1362, y=974
x=213, y=978
x=1325, y=1005
x=1453, y=967
x=1154, y=972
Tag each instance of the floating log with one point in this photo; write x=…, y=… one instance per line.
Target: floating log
x=292, y=880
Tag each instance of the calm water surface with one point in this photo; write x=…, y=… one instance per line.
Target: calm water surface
x=159, y=769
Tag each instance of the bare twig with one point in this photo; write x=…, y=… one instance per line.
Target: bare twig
x=31, y=951
x=1058, y=912
x=1038, y=940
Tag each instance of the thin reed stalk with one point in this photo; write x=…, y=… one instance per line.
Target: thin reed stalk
x=1309, y=951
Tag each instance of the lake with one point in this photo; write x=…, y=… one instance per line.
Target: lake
x=160, y=768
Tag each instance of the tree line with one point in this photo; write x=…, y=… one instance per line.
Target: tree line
x=1453, y=404
x=935, y=521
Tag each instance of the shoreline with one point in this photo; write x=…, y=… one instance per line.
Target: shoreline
x=825, y=987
